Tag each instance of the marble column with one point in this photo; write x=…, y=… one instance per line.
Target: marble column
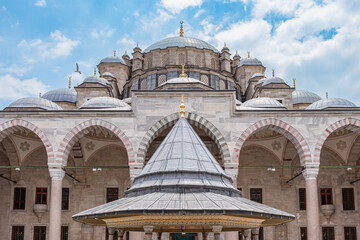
x=57, y=175
x=148, y=232
x=217, y=231
x=255, y=233
x=247, y=234
x=312, y=202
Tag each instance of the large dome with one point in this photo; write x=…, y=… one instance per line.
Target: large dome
x=61, y=95
x=302, y=96
x=180, y=42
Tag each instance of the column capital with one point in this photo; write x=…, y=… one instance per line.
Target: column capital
x=148, y=229
x=311, y=172
x=56, y=173
x=217, y=228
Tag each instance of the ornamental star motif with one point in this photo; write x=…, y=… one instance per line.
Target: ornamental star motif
x=341, y=145
x=24, y=146
x=276, y=145
x=90, y=146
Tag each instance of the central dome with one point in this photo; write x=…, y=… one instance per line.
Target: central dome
x=180, y=42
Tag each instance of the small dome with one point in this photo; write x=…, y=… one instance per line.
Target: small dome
x=108, y=74
x=331, y=103
x=96, y=79
x=127, y=100
x=273, y=80
x=237, y=102
x=302, y=96
x=105, y=103
x=113, y=59
x=257, y=75
x=31, y=102
x=61, y=95
x=250, y=62
x=180, y=42
x=261, y=81
x=182, y=80
x=262, y=102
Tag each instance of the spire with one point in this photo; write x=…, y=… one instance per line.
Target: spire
x=107, y=69
x=273, y=71
x=181, y=29
x=95, y=71
x=294, y=79
x=182, y=106
x=248, y=54
x=327, y=95
x=69, y=81
x=137, y=44
x=114, y=53
x=182, y=70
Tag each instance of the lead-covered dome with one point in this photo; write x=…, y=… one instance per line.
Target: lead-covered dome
x=180, y=42
x=96, y=79
x=262, y=102
x=61, y=95
x=331, y=103
x=258, y=75
x=105, y=103
x=250, y=62
x=271, y=80
x=304, y=97
x=113, y=59
x=182, y=80
x=32, y=102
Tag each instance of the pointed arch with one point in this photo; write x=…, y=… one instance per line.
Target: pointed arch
x=82, y=129
x=194, y=119
x=281, y=127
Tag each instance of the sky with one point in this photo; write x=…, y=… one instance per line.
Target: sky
x=315, y=41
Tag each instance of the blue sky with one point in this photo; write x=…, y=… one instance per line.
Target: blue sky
x=314, y=41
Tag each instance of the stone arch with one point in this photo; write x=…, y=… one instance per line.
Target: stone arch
x=281, y=127
x=9, y=127
x=348, y=123
x=82, y=129
x=194, y=119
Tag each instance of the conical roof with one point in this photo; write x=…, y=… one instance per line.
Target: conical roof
x=182, y=178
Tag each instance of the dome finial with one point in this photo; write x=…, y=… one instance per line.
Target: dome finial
x=273, y=71
x=69, y=81
x=114, y=53
x=137, y=44
x=94, y=71
x=248, y=54
x=182, y=70
x=107, y=69
x=181, y=29
x=182, y=106
x=294, y=79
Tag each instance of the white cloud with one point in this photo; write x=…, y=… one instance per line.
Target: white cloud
x=102, y=33
x=154, y=21
x=176, y=6
x=126, y=43
x=15, y=69
x=58, y=45
x=14, y=88
x=76, y=78
x=40, y=3
x=198, y=13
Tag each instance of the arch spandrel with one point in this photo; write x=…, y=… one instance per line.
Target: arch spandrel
x=281, y=127
x=82, y=129
x=192, y=118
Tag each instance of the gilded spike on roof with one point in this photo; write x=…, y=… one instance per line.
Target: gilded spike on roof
x=248, y=54
x=182, y=70
x=94, y=71
x=273, y=71
x=182, y=106
x=114, y=53
x=294, y=79
x=69, y=81
x=181, y=29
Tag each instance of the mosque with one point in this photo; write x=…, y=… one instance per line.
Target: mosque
x=250, y=157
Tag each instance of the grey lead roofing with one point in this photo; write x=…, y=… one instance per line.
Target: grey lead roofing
x=182, y=177
x=331, y=103
x=180, y=42
x=31, y=102
x=61, y=95
x=302, y=96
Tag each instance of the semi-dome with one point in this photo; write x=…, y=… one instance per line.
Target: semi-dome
x=180, y=42
x=302, y=96
x=113, y=59
x=108, y=74
x=262, y=102
x=61, y=95
x=32, y=102
x=272, y=80
x=331, y=103
x=105, y=103
x=261, y=81
x=182, y=80
x=96, y=79
x=250, y=62
x=257, y=75
x=127, y=100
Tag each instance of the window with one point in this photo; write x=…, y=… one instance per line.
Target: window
x=41, y=196
x=302, y=198
x=112, y=194
x=303, y=233
x=19, y=198
x=350, y=233
x=261, y=233
x=17, y=233
x=64, y=233
x=40, y=233
x=65, y=199
x=256, y=194
x=348, y=199
x=326, y=196
x=328, y=233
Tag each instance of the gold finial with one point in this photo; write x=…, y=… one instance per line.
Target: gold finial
x=248, y=54
x=257, y=70
x=101, y=75
x=182, y=106
x=114, y=53
x=69, y=81
x=94, y=71
x=273, y=72
x=107, y=69
x=137, y=44
x=181, y=29
x=294, y=79
x=182, y=70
